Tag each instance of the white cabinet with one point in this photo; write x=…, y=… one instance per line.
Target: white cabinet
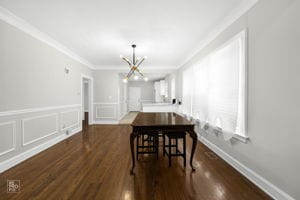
x=162, y=87
x=161, y=90
x=158, y=97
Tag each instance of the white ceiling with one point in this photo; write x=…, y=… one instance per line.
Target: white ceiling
x=167, y=31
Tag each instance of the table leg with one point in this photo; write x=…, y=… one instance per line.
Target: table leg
x=193, y=135
x=132, y=137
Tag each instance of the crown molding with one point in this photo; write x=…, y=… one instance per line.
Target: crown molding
x=24, y=26
x=21, y=24
x=230, y=19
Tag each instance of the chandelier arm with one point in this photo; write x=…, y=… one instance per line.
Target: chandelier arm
x=126, y=60
x=133, y=54
x=130, y=73
x=140, y=72
x=137, y=60
x=140, y=63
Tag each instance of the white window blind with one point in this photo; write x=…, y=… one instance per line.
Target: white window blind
x=214, y=88
x=187, y=91
x=173, y=88
x=200, y=90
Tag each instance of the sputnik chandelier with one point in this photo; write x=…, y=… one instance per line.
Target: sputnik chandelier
x=134, y=66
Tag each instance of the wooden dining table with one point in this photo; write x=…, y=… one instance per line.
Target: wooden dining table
x=161, y=121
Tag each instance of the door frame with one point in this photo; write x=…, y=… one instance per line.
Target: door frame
x=91, y=97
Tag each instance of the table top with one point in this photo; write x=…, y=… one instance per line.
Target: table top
x=160, y=119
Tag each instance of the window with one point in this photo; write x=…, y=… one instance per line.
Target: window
x=187, y=89
x=214, y=88
x=173, y=88
x=200, y=92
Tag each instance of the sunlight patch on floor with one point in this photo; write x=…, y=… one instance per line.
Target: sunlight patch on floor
x=128, y=119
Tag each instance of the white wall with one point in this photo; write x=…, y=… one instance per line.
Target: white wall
x=273, y=95
x=123, y=106
x=35, y=89
x=107, y=90
x=106, y=96
x=39, y=102
x=147, y=90
x=34, y=72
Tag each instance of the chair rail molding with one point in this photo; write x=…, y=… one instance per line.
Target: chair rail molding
x=31, y=110
x=29, y=131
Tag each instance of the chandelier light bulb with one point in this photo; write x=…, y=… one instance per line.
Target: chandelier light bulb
x=146, y=79
x=145, y=57
x=125, y=80
x=136, y=77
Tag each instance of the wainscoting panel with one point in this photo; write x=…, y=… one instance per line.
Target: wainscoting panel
x=39, y=127
x=8, y=137
x=122, y=109
x=106, y=111
x=70, y=119
x=24, y=133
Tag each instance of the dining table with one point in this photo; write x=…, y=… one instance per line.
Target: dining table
x=160, y=122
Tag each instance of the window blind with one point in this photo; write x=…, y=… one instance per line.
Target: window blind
x=214, y=88
x=187, y=91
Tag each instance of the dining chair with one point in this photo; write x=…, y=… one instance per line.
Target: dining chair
x=172, y=150
x=147, y=143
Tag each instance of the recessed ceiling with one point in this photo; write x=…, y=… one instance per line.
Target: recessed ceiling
x=100, y=30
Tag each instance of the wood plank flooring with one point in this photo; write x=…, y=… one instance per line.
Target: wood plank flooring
x=95, y=163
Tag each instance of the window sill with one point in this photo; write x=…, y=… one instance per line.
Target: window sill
x=240, y=138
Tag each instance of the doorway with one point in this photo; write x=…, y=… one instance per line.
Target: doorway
x=85, y=121
x=87, y=101
x=134, y=97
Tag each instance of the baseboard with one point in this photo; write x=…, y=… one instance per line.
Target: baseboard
x=106, y=122
x=74, y=131
x=258, y=180
x=123, y=116
x=7, y=164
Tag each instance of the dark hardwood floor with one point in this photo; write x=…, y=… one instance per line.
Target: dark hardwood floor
x=95, y=164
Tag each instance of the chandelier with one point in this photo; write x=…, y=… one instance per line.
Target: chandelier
x=134, y=66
